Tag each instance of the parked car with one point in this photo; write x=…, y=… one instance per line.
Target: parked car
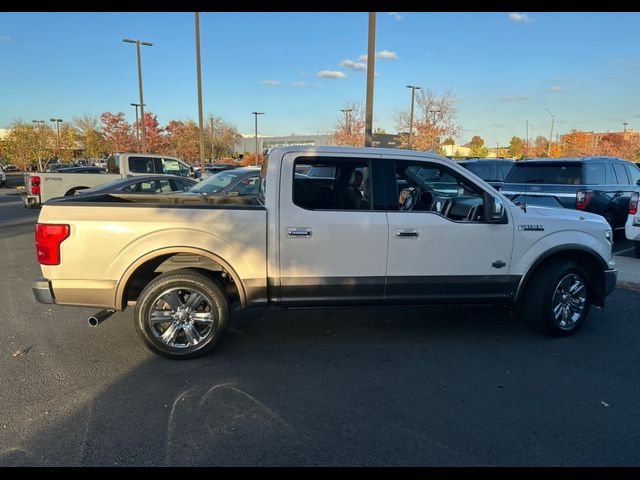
x=491, y=170
x=601, y=185
x=82, y=170
x=40, y=187
x=238, y=182
x=308, y=242
x=632, y=227
x=11, y=168
x=3, y=177
x=144, y=184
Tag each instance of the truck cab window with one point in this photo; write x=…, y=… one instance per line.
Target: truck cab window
x=434, y=188
x=332, y=184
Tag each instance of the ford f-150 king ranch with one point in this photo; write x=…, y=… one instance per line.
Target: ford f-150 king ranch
x=40, y=187
x=385, y=227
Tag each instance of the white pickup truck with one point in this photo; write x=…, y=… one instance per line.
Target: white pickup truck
x=40, y=187
x=387, y=227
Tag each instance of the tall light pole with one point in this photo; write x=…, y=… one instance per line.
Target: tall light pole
x=57, y=121
x=196, y=19
x=553, y=119
x=347, y=119
x=256, y=123
x=413, y=94
x=625, y=128
x=146, y=44
x=136, y=105
x=212, y=137
x=371, y=57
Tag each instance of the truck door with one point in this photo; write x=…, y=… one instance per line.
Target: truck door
x=440, y=247
x=333, y=230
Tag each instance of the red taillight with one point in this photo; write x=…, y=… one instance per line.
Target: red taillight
x=583, y=197
x=35, y=185
x=48, y=239
x=633, y=203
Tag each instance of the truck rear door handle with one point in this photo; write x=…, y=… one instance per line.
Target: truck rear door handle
x=405, y=234
x=299, y=232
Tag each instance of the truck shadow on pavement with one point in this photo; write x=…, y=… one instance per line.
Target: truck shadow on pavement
x=403, y=386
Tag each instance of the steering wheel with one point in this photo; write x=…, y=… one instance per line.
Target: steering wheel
x=411, y=198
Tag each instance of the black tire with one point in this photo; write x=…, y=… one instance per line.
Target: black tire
x=544, y=286
x=186, y=335
x=637, y=245
x=610, y=218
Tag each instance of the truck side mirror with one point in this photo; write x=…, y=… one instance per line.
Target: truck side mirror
x=494, y=209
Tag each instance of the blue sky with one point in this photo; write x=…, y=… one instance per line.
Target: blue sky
x=504, y=68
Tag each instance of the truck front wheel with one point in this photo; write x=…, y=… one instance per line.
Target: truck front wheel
x=181, y=314
x=558, y=298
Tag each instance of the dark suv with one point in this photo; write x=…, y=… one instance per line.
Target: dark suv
x=601, y=185
x=491, y=170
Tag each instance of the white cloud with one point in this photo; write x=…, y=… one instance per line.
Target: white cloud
x=362, y=58
x=555, y=89
x=396, y=15
x=387, y=55
x=354, y=65
x=515, y=98
x=5, y=39
x=520, y=17
x=331, y=74
x=637, y=116
x=271, y=83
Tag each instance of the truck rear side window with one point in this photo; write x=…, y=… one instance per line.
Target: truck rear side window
x=113, y=164
x=545, y=173
x=332, y=184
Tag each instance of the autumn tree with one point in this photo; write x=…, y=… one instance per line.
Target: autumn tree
x=68, y=143
x=540, y=147
x=221, y=138
x=183, y=140
x=434, y=120
x=27, y=145
x=349, y=130
x=476, y=147
x=516, y=147
x=576, y=144
x=155, y=140
x=252, y=159
x=117, y=133
x=88, y=127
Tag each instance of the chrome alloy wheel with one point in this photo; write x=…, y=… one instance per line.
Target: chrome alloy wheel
x=569, y=300
x=181, y=317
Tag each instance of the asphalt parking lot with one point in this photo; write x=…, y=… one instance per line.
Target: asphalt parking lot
x=436, y=386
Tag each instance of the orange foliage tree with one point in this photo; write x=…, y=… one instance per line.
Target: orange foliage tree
x=434, y=120
x=349, y=130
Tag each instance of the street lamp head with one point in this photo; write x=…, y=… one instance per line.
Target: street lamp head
x=258, y=113
x=146, y=44
x=128, y=40
x=55, y=120
x=414, y=87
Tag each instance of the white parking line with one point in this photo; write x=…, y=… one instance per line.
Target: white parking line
x=626, y=250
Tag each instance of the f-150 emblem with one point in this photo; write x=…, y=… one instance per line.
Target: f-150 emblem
x=531, y=228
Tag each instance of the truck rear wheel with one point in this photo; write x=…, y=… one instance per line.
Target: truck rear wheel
x=558, y=298
x=181, y=314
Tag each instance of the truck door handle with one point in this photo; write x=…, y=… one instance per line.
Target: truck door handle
x=299, y=232
x=401, y=234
